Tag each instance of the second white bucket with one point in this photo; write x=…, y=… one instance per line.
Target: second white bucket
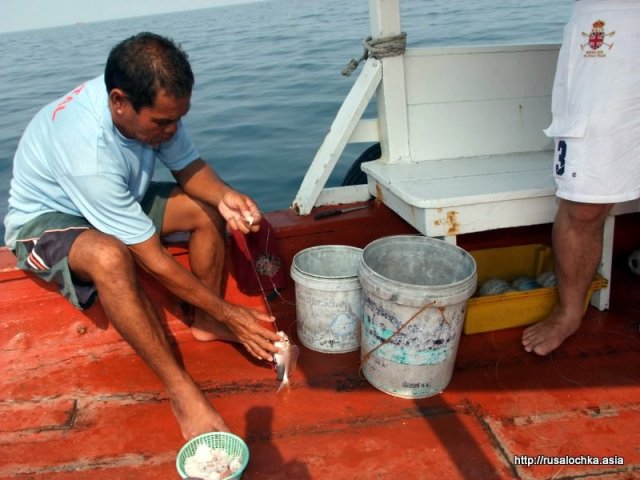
x=328, y=297
x=415, y=293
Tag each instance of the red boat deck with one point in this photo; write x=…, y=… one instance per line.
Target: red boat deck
x=76, y=403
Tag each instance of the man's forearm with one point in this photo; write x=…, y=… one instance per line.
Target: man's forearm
x=198, y=180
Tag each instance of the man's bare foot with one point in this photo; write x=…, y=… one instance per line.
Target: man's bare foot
x=544, y=337
x=207, y=329
x=194, y=412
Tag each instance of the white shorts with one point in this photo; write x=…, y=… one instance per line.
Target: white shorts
x=596, y=104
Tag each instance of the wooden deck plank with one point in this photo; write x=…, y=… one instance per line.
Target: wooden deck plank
x=402, y=449
x=359, y=404
x=149, y=435
x=130, y=468
x=571, y=434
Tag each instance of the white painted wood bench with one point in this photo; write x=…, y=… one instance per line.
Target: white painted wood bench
x=478, y=159
x=461, y=136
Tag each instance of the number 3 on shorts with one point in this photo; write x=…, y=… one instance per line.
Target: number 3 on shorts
x=562, y=152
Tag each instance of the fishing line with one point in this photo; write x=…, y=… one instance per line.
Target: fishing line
x=255, y=271
x=266, y=254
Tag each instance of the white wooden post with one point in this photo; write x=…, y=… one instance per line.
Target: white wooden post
x=392, y=97
x=341, y=130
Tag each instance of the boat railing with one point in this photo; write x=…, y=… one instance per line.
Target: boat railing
x=389, y=128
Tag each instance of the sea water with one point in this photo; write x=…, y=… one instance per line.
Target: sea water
x=268, y=81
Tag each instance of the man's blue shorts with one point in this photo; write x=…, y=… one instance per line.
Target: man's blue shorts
x=44, y=243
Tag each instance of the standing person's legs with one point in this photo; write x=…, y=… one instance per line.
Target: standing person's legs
x=577, y=247
x=596, y=120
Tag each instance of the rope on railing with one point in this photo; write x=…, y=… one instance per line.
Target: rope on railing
x=382, y=47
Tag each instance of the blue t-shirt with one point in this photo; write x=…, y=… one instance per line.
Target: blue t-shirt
x=72, y=159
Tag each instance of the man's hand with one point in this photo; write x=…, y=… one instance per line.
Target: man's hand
x=244, y=323
x=198, y=180
x=240, y=212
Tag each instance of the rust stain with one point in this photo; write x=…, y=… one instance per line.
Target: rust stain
x=452, y=223
x=379, y=194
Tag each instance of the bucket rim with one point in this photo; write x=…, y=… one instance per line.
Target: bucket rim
x=295, y=268
x=416, y=295
x=462, y=288
x=419, y=237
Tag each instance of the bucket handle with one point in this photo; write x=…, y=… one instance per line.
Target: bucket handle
x=407, y=322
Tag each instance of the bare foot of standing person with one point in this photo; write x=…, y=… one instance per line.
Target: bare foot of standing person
x=544, y=337
x=577, y=245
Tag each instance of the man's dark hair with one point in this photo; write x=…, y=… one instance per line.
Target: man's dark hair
x=145, y=63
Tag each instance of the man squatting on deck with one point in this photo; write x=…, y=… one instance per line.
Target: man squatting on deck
x=83, y=212
x=596, y=125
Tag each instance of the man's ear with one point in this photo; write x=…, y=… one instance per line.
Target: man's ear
x=118, y=99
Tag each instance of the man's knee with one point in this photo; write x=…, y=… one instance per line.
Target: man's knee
x=98, y=254
x=112, y=254
x=185, y=213
x=585, y=213
x=207, y=219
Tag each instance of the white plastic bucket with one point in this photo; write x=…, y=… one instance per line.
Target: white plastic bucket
x=328, y=297
x=415, y=293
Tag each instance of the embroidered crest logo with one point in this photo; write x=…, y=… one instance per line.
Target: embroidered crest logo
x=596, y=40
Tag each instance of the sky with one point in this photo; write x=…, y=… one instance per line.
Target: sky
x=30, y=14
